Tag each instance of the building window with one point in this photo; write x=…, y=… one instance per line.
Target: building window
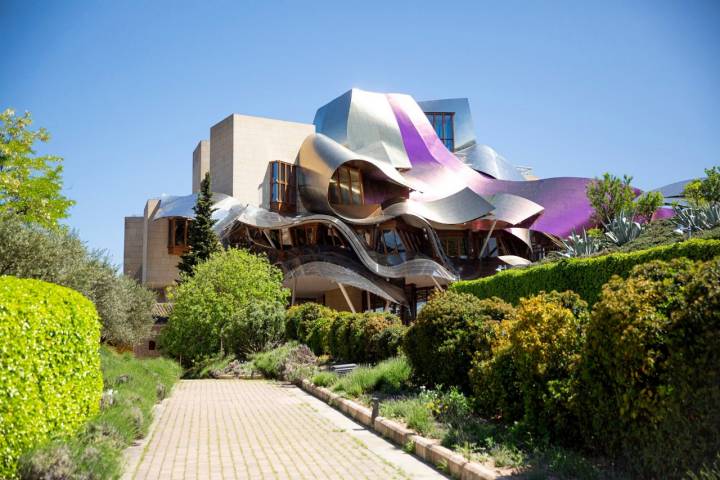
x=346, y=186
x=455, y=246
x=178, y=235
x=151, y=345
x=283, y=192
x=443, y=123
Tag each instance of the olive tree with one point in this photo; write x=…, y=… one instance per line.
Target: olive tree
x=55, y=255
x=233, y=303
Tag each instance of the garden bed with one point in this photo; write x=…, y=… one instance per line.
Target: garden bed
x=131, y=388
x=439, y=427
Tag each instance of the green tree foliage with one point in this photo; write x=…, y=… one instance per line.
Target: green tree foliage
x=585, y=276
x=30, y=185
x=57, y=256
x=609, y=196
x=50, y=380
x=234, y=303
x=700, y=193
x=202, y=240
x=650, y=389
x=450, y=331
x=646, y=205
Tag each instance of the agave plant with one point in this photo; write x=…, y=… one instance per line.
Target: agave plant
x=623, y=229
x=690, y=220
x=580, y=245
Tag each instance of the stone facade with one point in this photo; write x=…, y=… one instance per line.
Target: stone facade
x=201, y=164
x=133, y=251
x=242, y=148
x=238, y=157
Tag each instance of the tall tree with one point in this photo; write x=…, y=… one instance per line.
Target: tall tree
x=609, y=196
x=706, y=191
x=30, y=185
x=202, y=241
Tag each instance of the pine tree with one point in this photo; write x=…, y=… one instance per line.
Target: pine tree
x=202, y=241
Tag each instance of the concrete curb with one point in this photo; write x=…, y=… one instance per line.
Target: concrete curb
x=427, y=449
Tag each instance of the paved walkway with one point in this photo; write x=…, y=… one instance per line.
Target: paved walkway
x=218, y=429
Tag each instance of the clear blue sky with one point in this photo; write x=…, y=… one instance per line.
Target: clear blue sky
x=570, y=88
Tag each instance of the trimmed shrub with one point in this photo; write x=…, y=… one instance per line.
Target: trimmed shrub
x=495, y=383
x=650, y=384
x=318, y=336
x=546, y=342
x=533, y=370
x=50, y=380
x=338, y=335
x=451, y=330
x=300, y=319
x=358, y=337
x=132, y=387
x=57, y=256
x=585, y=276
x=234, y=303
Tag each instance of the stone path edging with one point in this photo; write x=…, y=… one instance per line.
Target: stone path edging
x=427, y=449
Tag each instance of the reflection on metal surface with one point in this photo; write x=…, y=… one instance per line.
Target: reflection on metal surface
x=339, y=274
x=514, y=260
x=419, y=266
x=403, y=179
x=182, y=206
x=486, y=160
x=364, y=123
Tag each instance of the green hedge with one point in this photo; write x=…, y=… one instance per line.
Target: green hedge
x=353, y=337
x=50, y=379
x=584, y=276
x=649, y=390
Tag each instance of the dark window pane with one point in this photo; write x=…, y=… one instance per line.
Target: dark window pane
x=344, y=185
x=275, y=171
x=179, y=232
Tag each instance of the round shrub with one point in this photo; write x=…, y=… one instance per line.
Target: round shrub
x=650, y=385
x=50, y=379
x=448, y=332
x=318, y=335
x=338, y=335
x=300, y=319
x=234, y=303
x=362, y=337
x=387, y=342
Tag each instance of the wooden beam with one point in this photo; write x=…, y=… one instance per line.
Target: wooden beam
x=487, y=239
x=347, y=298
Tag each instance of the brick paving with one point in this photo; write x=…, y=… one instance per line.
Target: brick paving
x=228, y=429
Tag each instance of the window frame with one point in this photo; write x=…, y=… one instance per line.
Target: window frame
x=340, y=188
x=434, y=117
x=174, y=247
x=283, y=187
